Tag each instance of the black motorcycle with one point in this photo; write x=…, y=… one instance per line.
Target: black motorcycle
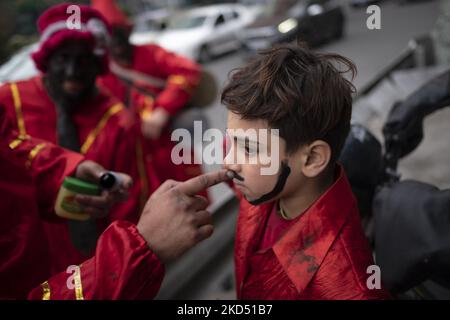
x=407, y=222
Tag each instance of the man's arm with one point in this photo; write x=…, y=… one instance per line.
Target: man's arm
x=123, y=267
x=183, y=76
x=128, y=259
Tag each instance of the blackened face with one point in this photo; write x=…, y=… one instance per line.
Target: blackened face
x=120, y=47
x=72, y=71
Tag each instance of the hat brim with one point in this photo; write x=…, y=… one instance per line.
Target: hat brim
x=42, y=55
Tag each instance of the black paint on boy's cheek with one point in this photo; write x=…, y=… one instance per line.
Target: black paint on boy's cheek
x=279, y=186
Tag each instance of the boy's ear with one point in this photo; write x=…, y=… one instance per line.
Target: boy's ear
x=316, y=158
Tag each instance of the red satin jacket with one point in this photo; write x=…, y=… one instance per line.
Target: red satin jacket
x=31, y=172
x=324, y=255
x=107, y=134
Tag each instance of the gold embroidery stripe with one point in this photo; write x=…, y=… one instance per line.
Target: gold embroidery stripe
x=15, y=143
x=45, y=291
x=147, y=108
x=78, y=286
x=18, y=108
x=180, y=81
x=33, y=153
x=94, y=133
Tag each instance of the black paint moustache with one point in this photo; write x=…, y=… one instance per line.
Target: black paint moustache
x=281, y=181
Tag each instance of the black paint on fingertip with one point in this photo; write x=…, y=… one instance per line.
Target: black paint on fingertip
x=237, y=176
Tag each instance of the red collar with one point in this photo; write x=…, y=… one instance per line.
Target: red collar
x=303, y=247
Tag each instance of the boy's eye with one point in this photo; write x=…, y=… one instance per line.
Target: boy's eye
x=248, y=149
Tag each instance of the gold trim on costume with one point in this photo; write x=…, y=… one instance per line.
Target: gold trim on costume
x=78, y=285
x=18, y=108
x=148, y=107
x=16, y=142
x=33, y=153
x=94, y=133
x=181, y=81
x=45, y=291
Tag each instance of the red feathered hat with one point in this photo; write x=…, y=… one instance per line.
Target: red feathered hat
x=72, y=22
x=112, y=13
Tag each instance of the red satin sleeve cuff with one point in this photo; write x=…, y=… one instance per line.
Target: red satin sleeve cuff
x=123, y=268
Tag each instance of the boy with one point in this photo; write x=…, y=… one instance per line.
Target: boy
x=298, y=234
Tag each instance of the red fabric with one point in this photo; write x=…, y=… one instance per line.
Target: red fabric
x=123, y=266
x=22, y=240
x=111, y=12
x=324, y=255
x=274, y=229
x=114, y=148
x=24, y=252
x=58, y=13
x=157, y=62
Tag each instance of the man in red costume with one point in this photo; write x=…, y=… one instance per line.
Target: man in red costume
x=64, y=106
x=129, y=259
x=31, y=173
x=155, y=84
x=299, y=234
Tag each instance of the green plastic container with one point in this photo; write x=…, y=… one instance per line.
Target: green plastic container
x=66, y=206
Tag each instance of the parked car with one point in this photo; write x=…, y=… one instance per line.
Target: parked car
x=20, y=66
x=148, y=26
x=312, y=21
x=204, y=32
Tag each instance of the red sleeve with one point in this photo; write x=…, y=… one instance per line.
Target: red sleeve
x=47, y=163
x=23, y=245
x=182, y=75
x=123, y=268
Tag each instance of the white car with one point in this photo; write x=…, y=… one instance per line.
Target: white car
x=20, y=66
x=196, y=33
x=148, y=26
x=204, y=32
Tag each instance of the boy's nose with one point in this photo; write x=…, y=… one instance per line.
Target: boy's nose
x=230, y=163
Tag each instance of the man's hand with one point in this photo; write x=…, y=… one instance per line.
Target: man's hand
x=98, y=206
x=154, y=123
x=175, y=218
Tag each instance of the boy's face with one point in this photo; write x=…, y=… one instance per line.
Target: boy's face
x=255, y=184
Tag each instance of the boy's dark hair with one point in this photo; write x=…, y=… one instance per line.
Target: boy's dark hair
x=298, y=91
